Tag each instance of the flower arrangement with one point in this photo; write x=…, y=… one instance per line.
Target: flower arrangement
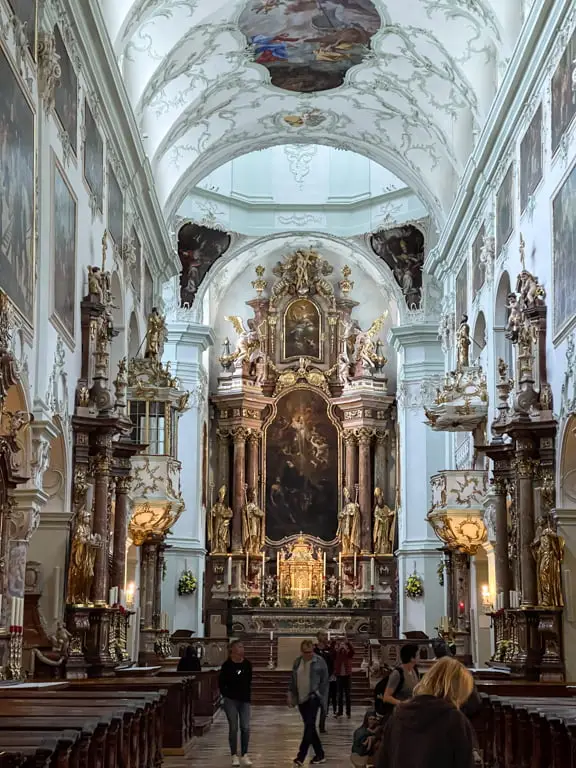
x=187, y=583
x=414, y=587
x=440, y=572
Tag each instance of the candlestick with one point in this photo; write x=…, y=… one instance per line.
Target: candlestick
x=229, y=575
x=272, y=635
x=355, y=569
x=246, y=574
x=372, y=572
x=278, y=577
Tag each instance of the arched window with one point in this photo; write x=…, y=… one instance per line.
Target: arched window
x=502, y=345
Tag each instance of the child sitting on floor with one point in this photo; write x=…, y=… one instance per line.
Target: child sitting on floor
x=366, y=741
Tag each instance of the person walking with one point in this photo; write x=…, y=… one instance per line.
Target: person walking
x=344, y=653
x=326, y=651
x=235, y=683
x=309, y=692
x=403, y=679
x=430, y=731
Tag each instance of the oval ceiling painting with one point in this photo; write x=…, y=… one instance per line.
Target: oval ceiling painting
x=309, y=45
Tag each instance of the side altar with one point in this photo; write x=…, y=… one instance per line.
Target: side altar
x=304, y=460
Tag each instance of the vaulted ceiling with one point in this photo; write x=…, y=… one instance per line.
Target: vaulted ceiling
x=415, y=104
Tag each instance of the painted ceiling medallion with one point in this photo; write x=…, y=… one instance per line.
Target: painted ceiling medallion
x=309, y=45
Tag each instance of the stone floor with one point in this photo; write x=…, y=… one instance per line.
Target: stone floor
x=275, y=738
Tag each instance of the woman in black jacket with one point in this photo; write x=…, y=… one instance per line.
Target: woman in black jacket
x=429, y=731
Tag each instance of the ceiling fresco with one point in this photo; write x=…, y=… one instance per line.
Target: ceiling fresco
x=309, y=45
x=407, y=83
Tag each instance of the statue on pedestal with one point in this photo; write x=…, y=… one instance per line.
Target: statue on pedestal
x=81, y=570
x=463, y=343
x=219, y=524
x=247, y=344
x=155, y=331
x=253, y=535
x=548, y=549
x=383, y=520
x=349, y=527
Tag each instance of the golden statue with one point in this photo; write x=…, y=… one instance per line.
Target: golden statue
x=383, y=525
x=81, y=570
x=548, y=549
x=155, y=335
x=463, y=343
x=219, y=525
x=349, y=526
x=253, y=535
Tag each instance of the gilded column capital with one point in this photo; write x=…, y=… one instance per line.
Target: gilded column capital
x=364, y=435
x=124, y=484
x=381, y=436
x=349, y=438
x=101, y=464
x=240, y=434
x=253, y=438
x=223, y=435
x=526, y=467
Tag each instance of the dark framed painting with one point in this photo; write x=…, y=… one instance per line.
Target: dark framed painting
x=302, y=330
x=136, y=267
x=478, y=274
x=505, y=210
x=309, y=45
x=402, y=248
x=115, y=209
x=27, y=12
x=64, y=228
x=564, y=253
x=198, y=247
x=93, y=158
x=66, y=94
x=531, y=159
x=461, y=307
x=562, y=87
x=17, y=190
x=148, y=300
x=302, y=468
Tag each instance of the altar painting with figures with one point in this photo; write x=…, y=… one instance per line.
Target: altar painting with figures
x=302, y=467
x=302, y=330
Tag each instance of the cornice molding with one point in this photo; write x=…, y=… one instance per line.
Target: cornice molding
x=403, y=336
x=104, y=78
x=525, y=73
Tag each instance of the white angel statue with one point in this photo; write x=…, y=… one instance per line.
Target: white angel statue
x=247, y=343
x=366, y=344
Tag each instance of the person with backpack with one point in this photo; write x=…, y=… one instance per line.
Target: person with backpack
x=402, y=680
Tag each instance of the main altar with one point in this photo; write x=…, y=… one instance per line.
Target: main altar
x=303, y=451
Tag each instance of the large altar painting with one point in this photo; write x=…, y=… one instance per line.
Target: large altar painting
x=302, y=329
x=564, y=256
x=301, y=468
x=309, y=45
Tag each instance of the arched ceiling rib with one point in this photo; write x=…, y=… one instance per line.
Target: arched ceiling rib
x=413, y=104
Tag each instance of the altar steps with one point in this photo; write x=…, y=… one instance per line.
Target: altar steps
x=270, y=687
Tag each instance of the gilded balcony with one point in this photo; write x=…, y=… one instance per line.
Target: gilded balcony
x=457, y=510
x=461, y=403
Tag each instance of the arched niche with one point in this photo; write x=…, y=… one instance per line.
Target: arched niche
x=133, y=336
x=567, y=484
x=502, y=345
x=118, y=347
x=479, y=335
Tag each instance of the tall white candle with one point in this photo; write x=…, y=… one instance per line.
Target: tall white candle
x=21, y=619
x=272, y=635
x=355, y=566
x=340, y=566
x=229, y=576
x=372, y=572
x=57, y=590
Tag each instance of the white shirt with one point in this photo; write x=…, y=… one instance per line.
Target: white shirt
x=303, y=680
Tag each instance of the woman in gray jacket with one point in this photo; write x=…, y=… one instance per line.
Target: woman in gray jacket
x=309, y=692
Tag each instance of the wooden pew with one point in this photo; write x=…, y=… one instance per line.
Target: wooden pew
x=41, y=749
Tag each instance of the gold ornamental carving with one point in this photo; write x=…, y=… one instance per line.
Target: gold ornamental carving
x=219, y=524
x=304, y=373
x=349, y=525
x=82, y=558
x=150, y=521
x=383, y=529
x=548, y=550
x=301, y=573
x=303, y=273
x=465, y=536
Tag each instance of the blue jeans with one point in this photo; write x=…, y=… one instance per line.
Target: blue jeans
x=237, y=711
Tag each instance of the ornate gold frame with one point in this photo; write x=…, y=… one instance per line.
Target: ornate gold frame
x=331, y=409
x=291, y=358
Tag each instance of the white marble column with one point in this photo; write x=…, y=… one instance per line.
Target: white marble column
x=566, y=520
x=185, y=346
x=422, y=454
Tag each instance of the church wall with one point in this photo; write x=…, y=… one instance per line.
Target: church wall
x=531, y=218
x=50, y=351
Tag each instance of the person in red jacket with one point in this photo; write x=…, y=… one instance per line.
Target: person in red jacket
x=343, y=655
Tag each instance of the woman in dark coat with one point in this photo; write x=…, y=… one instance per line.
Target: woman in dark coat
x=190, y=661
x=429, y=731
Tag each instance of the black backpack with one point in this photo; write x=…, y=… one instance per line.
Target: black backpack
x=384, y=708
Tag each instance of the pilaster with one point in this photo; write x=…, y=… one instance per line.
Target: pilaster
x=566, y=521
x=421, y=454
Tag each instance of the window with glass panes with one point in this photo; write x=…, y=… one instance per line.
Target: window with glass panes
x=150, y=426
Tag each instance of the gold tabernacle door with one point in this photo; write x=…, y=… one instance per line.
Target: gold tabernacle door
x=301, y=573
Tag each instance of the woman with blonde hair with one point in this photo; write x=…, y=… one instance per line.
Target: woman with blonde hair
x=429, y=731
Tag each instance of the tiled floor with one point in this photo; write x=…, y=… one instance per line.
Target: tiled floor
x=275, y=738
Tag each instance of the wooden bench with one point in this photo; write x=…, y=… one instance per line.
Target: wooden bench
x=40, y=749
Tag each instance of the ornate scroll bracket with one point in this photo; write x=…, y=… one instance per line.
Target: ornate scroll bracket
x=49, y=71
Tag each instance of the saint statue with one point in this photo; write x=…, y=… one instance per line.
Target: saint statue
x=463, y=342
x=219, y=524
x=81, y=571
x=253, y=535
x=383, y=520
x=548, y=549
x=349, y=527
x=154, y=335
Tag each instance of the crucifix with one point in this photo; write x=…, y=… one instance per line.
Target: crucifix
x=104, y=249
x=522, y=252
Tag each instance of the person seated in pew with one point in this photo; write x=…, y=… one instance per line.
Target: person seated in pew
x=474, y=704
x=189, y=662
x=429, y=731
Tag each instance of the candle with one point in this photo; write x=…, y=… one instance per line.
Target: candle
x=229, y=576
x=354, y=567
x=21, y=619
x=329, y=635
x=340, y=566
x=57, y=589
x=278, y=576
x=372, y=572
x=271, y=635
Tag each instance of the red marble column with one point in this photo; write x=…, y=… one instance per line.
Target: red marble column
x=351, y=461
x=223, y=459
x=501, y=545
x=365, y=486
x=239, y=435
x=101, y=467
x=121, y=514
x=253, y=465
